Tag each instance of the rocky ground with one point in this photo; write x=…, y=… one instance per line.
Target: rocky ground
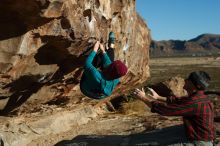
x=124, y=128
x=110, y=130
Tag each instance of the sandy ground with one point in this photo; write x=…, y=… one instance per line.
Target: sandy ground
x=118, y=129
x=110, y=130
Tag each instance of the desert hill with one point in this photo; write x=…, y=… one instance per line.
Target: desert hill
x=206, y=44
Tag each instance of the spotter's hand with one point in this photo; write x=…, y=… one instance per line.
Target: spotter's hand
x=140, y=93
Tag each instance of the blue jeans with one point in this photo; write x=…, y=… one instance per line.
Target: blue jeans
x=184, y=142
x=194, y=143
x=203, y=143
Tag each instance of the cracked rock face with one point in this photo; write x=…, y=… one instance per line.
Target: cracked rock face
x=44, y=43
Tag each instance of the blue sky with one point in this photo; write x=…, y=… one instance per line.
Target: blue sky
x=180, y=19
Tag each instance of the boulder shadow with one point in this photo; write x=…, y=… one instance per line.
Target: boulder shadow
x=55, y=51
x=162, y=89
x=21, y=90
x=162, y=137
x=16, y=18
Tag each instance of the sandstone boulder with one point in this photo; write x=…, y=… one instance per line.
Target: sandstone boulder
x=43, y=45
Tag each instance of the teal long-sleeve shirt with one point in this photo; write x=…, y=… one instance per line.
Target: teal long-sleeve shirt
x=93, y=83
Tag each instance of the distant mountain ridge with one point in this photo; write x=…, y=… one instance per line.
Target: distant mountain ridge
x=203, y=44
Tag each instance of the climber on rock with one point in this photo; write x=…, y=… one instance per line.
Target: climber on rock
x=99, y=83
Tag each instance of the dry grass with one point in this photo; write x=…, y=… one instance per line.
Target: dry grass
x=162, y=69
x=134, y=107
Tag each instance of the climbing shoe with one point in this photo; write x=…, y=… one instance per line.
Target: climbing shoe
x=111, y=38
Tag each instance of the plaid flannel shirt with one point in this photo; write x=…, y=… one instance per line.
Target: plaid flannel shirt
x=197, y=112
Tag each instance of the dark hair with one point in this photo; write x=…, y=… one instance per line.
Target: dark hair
x=200, y=79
